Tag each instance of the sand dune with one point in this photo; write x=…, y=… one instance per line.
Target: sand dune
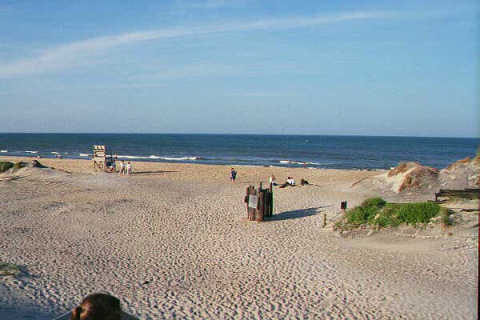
x=173, y=241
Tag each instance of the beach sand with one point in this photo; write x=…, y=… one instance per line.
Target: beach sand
x=173, y=241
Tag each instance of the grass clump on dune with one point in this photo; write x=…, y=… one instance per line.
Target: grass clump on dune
x=4, y=166
x=8, y=269
x=366, y=211
x=445, y=217
x=377, y=212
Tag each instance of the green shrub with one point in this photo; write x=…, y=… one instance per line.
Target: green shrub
x=366, y=211
x=4, y=166
x=413, y=213
x=373, y=202
x=388, y=216
x=376, y=211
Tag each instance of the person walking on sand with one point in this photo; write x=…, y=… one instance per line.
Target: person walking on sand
x=233, y=175
x=129, y=168
x=122, y=168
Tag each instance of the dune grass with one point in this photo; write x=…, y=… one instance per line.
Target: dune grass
x=445, y=217
x=377, y=212
x=4, y=166
x=8, y=269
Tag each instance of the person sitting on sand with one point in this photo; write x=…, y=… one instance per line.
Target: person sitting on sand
x=303, y=182
x=272, y=180
x=98, y=306
x=291, y=181
x=233, y=175
x=129, y=168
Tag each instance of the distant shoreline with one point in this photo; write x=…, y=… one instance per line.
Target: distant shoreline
x=244, y=134
x=320, y=152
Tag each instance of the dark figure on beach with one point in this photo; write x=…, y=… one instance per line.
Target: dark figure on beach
x=98, y=306
x=304, y=165
x=233, y=175
x=303, y=182
x=290, y=182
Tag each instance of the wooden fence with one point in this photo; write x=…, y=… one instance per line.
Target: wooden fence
x=464, y=194
x=259, y=203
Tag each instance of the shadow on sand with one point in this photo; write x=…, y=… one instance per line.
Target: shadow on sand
x=68, y=316
x=151, y=172
x=16, y=305
x=296, y=214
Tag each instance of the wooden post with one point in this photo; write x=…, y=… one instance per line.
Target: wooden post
x=246, y=201
x=252, y=210
x=266, y=207
x=271, y=199
x=260, y=212
x=324, y=220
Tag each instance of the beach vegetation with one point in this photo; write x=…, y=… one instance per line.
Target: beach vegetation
x=8, y=269
x=401, y=168
x=377, y=212
x=19, y=165
x=445, y=217
x=5, y=165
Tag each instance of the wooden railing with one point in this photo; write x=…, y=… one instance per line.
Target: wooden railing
x=471, y=194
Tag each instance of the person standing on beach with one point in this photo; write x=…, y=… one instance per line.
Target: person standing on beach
x=233, y=175
x=129, y=168
x=122, y=168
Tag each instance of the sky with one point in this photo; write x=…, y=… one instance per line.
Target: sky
x=388, y=68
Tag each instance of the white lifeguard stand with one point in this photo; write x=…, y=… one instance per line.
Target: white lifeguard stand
x=101, y=158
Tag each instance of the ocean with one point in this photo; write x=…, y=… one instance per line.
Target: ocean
x=339, y=152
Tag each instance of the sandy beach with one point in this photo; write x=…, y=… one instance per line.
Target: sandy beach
x=173, y=241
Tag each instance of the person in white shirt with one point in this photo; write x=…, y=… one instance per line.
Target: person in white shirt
x=291, y=181
x=129, y=168
x=272, y=180
x=122, y=168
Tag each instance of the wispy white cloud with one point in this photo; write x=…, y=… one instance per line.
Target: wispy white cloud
x=78, y=53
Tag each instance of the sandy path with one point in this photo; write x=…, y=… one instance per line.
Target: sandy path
x=174, y=243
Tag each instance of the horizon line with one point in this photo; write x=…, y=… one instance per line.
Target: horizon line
x=248, y=134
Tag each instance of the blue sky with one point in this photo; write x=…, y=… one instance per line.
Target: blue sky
x=288, y=67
